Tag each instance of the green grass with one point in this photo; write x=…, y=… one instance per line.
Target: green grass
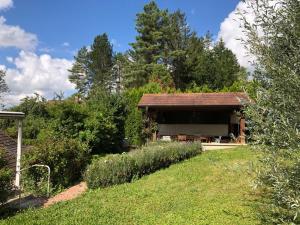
x=212, y=188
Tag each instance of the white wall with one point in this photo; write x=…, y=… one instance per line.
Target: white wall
x=193, y=129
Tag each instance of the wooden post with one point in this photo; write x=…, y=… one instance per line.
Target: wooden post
x=153, y=117
x=242, y=131
x=19, y=152
x=154, y=136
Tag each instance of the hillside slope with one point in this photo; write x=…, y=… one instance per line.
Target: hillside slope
x=212, y=188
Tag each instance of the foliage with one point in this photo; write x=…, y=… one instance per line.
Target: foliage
x=117, y=169
x=93, y=67
x=67, y=159
x=274, y=39
x=135, y=123
x=104, y=126
x=80, y=71
x=3, y=86
x=67, y=119
x=167, y=51
x=134, y=127
x=212, y=188
x=35, y=109
x=6, y=179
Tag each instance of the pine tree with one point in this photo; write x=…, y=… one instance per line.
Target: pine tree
x=93, y=68
x=101, y=62
x=176, y=46
x=225, y=67
x=149, y=45
x=3, y=85
x=167, y=51
x=80, y=72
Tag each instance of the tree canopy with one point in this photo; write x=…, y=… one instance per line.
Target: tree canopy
x=166, y=51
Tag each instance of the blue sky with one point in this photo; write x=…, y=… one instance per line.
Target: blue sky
x=38, y=38
x=77, y=22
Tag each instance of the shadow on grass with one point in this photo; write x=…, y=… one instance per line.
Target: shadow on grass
x=17, y=205
x=268, y=213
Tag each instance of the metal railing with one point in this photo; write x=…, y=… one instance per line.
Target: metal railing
x=49, y=172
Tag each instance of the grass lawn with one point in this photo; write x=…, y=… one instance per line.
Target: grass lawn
x=212, y=188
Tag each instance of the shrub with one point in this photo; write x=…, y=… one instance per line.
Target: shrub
x=275, y=117
x=121, y=168
x=104, y=126
x=67, y=159
x=67, y=118
x=5, y=179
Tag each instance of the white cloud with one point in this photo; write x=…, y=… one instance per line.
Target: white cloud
x=14, y=36
x=232, y=33
x=46, y=50
x=66, y=44
x=36, y=73
x=5, y=4
x=9, y=59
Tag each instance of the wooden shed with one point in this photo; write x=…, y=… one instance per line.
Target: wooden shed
x=207, y=117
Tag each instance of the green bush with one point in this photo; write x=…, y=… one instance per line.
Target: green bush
x=6, y=179
x=104, y=126
x=67, y=159
x=274, y=119
x=121, y=168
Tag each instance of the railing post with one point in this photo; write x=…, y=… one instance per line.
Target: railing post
x=19, y=152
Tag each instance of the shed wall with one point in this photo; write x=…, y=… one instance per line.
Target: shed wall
x=193, y=129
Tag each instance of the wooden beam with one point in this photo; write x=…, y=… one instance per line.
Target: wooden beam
x=242, y=130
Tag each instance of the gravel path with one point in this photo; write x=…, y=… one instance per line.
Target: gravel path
x=70, y=193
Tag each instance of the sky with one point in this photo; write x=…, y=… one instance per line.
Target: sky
x=38, y=39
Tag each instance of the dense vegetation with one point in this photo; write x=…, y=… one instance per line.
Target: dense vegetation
x=122, y=168
x=275, y=118
x=212, y=188
x=5, y=179
x=102, y=116
x=166, y=51
x=168, y=57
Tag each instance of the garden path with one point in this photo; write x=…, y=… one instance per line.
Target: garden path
x=70, y=193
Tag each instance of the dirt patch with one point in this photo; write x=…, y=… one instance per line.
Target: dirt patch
x=70, y=193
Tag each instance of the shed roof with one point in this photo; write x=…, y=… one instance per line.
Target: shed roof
x=11, y=115
x=237, y=99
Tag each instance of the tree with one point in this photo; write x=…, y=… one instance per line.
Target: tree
x=166, y=43
x=225, y=67
x=93, y=67
x=274, y=39
x=161, y=43
x=118, y=72
x=177, y=39
x=3, y=86
x=198, y=61
x=80, y=71
x=150, y=25
x=148, y=50
x=101, y=62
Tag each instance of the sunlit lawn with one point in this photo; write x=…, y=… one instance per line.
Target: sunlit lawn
x=212, y=188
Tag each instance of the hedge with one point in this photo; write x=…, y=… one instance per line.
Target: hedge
x=122, y=168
